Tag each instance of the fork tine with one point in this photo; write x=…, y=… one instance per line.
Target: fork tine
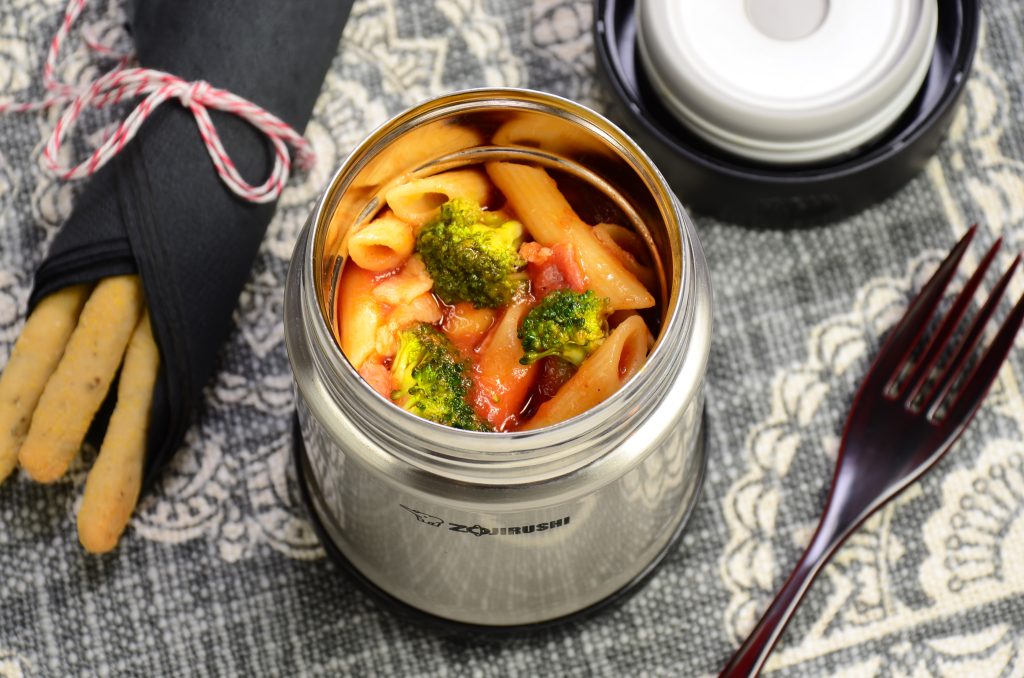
x=908, y=331
x=985, y=371
x=969, y=342
x=919, y=376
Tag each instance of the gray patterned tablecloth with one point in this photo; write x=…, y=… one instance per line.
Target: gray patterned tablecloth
x=219, y=572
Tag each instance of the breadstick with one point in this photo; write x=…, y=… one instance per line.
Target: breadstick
x=115, y=480
x=83, y=375
x=33, y=360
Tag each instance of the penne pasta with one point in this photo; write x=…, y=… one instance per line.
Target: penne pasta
x=602, y=374
x=383, y=244
x=417, y=201
x=359, y=314
x=623, y=243
x=535, y=132
x=501, y=384
x=626, y=240
x=619, y=317
x=547, y=215
x=378, y=377
x=418, y=147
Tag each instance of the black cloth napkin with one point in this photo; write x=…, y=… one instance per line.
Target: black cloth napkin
x=161, y=210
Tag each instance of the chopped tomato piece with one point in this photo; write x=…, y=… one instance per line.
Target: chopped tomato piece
x=378, y=377
x=534, y=253
x=564, y=256
x=545, y=279
x=554, y=268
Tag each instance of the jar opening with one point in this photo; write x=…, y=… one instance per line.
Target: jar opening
x=584, y=153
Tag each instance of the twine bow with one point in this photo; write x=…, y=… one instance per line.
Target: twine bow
x=157, y=87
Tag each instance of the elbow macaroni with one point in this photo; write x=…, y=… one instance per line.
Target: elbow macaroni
x=417, y=201
x=383, y=244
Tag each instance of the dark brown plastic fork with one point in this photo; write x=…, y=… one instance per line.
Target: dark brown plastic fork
x=905, y=416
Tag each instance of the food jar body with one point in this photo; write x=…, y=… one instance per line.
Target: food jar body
x=515, y=529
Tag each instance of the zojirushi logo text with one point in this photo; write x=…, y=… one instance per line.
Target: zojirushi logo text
x=481, y=531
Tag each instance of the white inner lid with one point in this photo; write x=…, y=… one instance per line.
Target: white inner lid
x=787, y=19
x=787, y=80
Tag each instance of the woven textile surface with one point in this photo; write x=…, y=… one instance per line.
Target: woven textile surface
x=220, y=573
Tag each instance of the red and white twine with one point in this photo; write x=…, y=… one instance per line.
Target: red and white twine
x=125, y=82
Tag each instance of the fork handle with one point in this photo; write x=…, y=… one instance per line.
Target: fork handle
x=750, y=657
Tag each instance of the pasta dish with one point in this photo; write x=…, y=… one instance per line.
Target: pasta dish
x=495, y=297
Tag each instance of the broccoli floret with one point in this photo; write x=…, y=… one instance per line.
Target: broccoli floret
x=433, y=379
x=566, y=324
x=472, y=255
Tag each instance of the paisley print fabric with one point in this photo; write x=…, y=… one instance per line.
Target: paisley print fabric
x=221, y=574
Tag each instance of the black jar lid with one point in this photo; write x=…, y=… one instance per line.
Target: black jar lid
x=714, y=182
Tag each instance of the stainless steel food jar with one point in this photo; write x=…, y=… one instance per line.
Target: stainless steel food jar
x=501, y=529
